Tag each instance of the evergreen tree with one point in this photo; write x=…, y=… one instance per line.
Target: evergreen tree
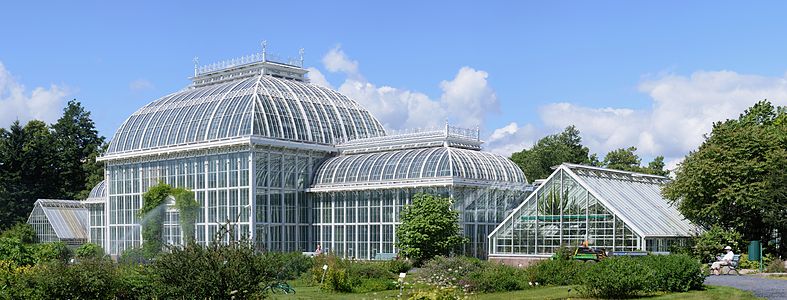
x=12, y=143
x=79, y=144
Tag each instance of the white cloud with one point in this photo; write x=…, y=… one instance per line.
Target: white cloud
x=683, y=110
x=16, y=103
x=511, y=138
x=336, y=61
x=465, y=101
x=317, y=78
x=140, y=85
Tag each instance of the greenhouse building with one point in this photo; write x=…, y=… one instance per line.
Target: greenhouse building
x=615, y=210
x=290, y=164
x=59, y=221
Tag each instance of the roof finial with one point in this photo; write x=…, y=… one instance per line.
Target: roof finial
x=196, y=65
x=301, y=52
x=264, y=48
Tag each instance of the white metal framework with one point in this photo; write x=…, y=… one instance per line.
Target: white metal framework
x=249, y=136
x=59, y=221
x=616, y=210
x=260, y=105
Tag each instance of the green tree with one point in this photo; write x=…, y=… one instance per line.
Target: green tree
x=552, y=150
x=736, y=178
x=656, y=167
x=623, y=159
x=13, y=205
x=626, y=159
x=429, y=228
x=28, y=170
x=78, y=144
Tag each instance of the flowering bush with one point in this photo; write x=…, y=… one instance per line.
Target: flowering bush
x=451, y=272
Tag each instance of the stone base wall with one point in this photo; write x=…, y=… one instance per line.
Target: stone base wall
x=516, y=261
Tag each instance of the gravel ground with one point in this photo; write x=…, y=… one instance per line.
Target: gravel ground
x=772, y=289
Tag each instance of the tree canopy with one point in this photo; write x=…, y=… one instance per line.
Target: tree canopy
x=737, y=178
x=429, y=228
x=39, y=161
x=549, y=151
x=566, y=147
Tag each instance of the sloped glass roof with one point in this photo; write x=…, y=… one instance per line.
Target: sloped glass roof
x=261, y=105
x=68, y=218
x=418, y=163
x=637, y=199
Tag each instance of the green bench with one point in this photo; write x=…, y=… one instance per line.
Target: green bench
x=384, y=256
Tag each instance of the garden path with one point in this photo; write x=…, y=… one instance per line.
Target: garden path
x=772, y=289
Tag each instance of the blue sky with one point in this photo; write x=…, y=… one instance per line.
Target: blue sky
x=649, y=74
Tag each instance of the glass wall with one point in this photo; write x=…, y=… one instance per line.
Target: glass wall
x=220, y=183
x=97, y=224
x=360, y=224
x=562, y=212
x=42, y=227
x=282, y=208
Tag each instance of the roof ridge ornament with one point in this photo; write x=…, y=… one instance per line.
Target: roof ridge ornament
x=301, y=52
x=196, y=65
x=264, y=45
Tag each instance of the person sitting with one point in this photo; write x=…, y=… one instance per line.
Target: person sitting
x=318, y=251
x=724, y=261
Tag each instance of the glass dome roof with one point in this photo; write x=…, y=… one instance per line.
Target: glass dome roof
x=418, y=164
x=262, y=105
x=99, y=191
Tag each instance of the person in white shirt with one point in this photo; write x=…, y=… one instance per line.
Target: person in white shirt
x=724, y=261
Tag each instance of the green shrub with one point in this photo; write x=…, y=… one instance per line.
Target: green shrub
x=22, y=232
x=286, y=266
x=675, y=272
x=88, y=250
x=710, y=243
x=776, y=266
x=133, y=256
x=556, y=272
x=369, y=269
x=136, y=281
x=88, y=279
x=437, y=294
x=18, y=282
x=397, y=266
x=497, y=278
x=337, y=280
x=617, y=277
x=351, y=276
x=16, y=252
x=51, y=251
x=445, y=272
x=217, y=271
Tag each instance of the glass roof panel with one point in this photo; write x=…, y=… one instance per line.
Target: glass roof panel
x=418, y=164
x=286, y=109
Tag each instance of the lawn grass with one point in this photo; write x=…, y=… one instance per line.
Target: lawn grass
x=547, y=293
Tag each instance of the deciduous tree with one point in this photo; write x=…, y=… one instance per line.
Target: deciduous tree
x=429, y=228
x=551, y=150
x=736, y=178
